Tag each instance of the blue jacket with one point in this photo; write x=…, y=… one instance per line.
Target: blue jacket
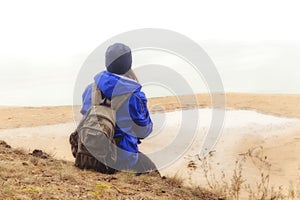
x=133, y=121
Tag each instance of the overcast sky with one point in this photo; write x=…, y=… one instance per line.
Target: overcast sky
x=42, y=39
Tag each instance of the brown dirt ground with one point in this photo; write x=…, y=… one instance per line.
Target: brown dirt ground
x=24, y=176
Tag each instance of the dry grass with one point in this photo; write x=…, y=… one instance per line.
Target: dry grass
x=232, y=186
x=24, y=176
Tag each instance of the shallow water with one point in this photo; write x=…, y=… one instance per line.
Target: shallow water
x=167, y=127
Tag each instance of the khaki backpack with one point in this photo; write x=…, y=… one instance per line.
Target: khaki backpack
x=93, y=143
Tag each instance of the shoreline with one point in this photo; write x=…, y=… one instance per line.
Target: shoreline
x=284, y=105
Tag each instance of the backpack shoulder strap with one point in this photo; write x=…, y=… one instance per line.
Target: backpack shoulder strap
x=118, y=101
x=96, y=95
x=115, y=103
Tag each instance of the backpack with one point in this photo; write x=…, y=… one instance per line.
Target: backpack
x=93, y=144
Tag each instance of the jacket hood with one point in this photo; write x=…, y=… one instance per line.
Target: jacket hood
x=113, y=85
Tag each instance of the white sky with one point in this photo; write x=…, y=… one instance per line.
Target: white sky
x=48, y=37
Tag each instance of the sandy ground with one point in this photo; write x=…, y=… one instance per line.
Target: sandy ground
x=250, y=135
x=268, y=126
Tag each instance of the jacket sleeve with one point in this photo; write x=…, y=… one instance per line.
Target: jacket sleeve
x=140, y=115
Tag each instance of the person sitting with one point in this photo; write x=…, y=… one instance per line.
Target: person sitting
x=133, y=122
